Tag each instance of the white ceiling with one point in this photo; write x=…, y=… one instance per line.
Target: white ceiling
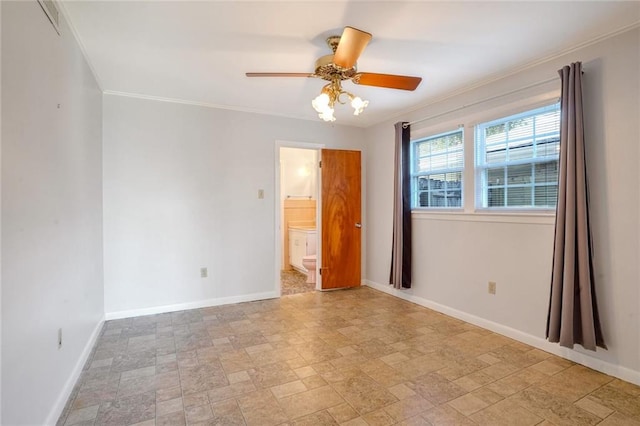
x=199, y=51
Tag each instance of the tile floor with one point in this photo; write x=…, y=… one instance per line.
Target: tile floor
x=355, y=357
x=294, y=282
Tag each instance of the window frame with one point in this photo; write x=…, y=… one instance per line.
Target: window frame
x=480, y=185
x=415, y=175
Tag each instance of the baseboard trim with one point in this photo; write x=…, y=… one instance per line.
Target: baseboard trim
x=58, y=407
x=191, y=305
x=606, y=367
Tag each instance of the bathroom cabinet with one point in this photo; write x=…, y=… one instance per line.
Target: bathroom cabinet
x=302, y=242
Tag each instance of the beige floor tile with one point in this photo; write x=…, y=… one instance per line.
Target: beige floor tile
x=445, y=415
x=468, y=404
x=407, y=407
x=82, y=415
x=170, y=406
x=261, y=408
x=236, y=361
x=507, y=413
x=499, y=370
x=128, y=410
x=302, y=404
x=173, y=419
x=271, y=356
x=394, y=358
x=145, y=384
x=235, y=390
x=616, y=399
x=378, y=418
x=101, y=363
x=313, y=382
x=151, y=422
x=364, y=394
x=617, y=419
x=140, y=372
x=419, y=366
x=321, y=418
x=287, y=389
x=547, y=367
x=198, y=413
x=342, y=413
x=259, y=348
x=305, y=371
x=168, y=393
x=238, y=376
x=415, y=421
x=202, y=378
x=487, y=395
x=297, y=362
x=347, y=350
x=626, y=387
x=511, y=384
x=557, y=411
x=401, y=391
x=589, y=404
x=358, y=421
x=227, y=413
x=348, y=361
x=574, y=382
x=437, y=389
x=194, y=399
x=467, y=383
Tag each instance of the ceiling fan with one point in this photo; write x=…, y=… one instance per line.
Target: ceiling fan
x=341, y=66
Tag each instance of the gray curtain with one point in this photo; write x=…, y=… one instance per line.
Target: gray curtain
x=400, y=276
x=573, y=311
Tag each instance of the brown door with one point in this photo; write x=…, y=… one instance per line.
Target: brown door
x=341, y=219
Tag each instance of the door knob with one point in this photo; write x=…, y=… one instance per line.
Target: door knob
x=358, y=225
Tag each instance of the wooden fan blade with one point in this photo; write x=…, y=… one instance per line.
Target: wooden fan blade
x=352, y=43
x=278, y=74
x=391, y=81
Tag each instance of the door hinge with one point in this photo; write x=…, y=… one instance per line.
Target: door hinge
x=319, y=164
x=320, y=271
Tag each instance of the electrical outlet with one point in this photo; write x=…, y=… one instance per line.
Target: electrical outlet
x=261, y=193
x=492, y=287
x=204, y=273
x=59, y=338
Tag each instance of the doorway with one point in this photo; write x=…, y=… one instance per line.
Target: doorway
x=317, y=219
x=298, y=207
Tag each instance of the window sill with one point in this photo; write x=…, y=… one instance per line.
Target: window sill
x=535, y=218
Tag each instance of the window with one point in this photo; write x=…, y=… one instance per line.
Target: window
x=517, y=160
x=436, y=173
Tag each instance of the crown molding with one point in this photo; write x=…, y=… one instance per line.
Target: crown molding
x=215, y=106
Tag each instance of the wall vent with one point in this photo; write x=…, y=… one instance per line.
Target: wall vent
x=50, y=9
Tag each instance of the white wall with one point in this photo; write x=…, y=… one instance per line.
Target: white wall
x=180, y=193
x=51, y=214
x=455, y=255
x=298, y=172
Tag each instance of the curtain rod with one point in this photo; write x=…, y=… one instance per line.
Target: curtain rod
x=540, y=83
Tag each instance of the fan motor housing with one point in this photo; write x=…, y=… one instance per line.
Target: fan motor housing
x=327, y=70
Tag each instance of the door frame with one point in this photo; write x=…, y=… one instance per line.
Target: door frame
x=278, y=210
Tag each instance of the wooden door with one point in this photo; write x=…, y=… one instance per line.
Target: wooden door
x=341, y=219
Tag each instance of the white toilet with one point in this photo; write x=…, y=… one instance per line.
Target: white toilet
x=309, y=261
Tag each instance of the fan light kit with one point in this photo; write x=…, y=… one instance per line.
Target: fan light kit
x=341, y=66
x=325, y=101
